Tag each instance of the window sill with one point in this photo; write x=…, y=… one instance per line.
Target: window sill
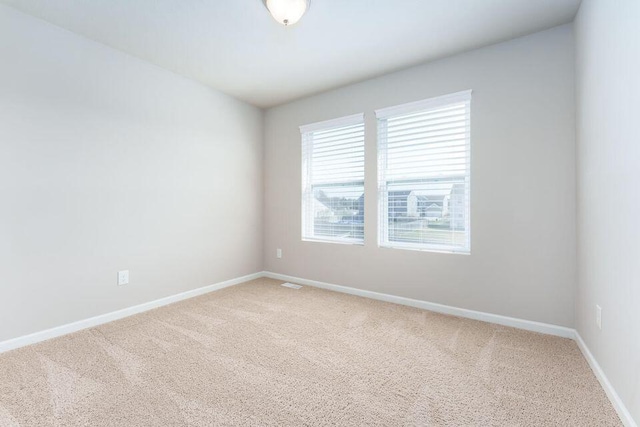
x=426, y=249
x=339, y=242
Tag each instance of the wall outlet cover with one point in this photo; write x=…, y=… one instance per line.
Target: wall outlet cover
x=123, y=277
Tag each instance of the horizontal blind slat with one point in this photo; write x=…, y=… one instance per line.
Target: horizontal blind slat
x=448, y=121
x=393, y=139
x=420, y=146
x=337, y=141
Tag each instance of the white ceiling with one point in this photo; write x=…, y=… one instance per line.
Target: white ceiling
x=236, y=47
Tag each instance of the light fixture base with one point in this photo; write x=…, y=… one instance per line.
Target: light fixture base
x=287, y=12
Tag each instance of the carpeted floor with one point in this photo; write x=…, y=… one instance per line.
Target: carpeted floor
x=261, y=354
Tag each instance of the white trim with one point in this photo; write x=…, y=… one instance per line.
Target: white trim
x=528, y=325
x=618, y=405
x=337, y=240
x=115, y=315
x=425, y=247
x=425, y=104
x=353, y=119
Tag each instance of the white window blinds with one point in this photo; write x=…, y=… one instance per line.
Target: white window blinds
x=424, y=174
x=333, y=180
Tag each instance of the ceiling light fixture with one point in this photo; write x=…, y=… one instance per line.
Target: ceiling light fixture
x=287, y=12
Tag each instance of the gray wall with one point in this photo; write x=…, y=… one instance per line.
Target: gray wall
x=522, y=260
x=608, y=90
x=110, y=163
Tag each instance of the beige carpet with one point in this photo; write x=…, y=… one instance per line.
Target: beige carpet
x=261, y=354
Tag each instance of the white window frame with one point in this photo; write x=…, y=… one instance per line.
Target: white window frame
x=307, y=198
x=383, y=209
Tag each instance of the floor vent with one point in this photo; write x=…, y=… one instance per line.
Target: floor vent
x=291, y=285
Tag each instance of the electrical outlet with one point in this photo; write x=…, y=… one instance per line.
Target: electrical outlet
x=599, y=316
x=123, y=277
x=278, y=253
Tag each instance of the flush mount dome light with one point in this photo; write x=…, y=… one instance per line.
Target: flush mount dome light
x=287, y=12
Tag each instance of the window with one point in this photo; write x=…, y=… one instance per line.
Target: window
x=333, y=180
x=424, y=173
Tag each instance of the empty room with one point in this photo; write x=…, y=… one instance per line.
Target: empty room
x=319, y=213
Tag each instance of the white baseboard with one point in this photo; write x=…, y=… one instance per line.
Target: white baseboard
x=115, y=315
x=618, y=405
x=528, y=325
